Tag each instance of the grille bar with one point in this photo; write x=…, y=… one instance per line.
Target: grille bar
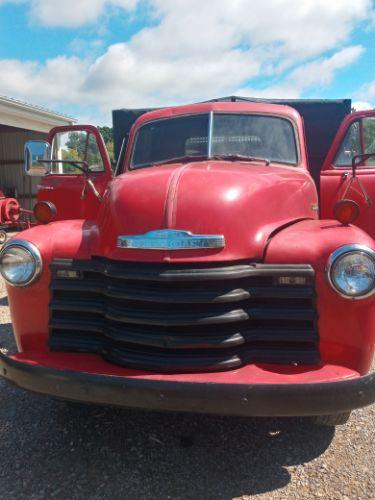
x=174, y=360
x=159, y=272
x=173, y=318
x=171, y=363
x=182, y=296
x=174, y=339
x=144, y=316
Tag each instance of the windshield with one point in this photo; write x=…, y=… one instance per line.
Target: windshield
x=192, y=138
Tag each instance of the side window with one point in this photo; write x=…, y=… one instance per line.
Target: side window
x=369, y=138
x=80, y=146
x=359, y=138
x=350, y=146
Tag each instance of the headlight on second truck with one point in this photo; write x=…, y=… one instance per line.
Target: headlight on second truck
x=351, y=271
x=20, y=263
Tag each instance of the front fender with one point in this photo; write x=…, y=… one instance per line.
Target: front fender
x=346, y=326
x=29, y=305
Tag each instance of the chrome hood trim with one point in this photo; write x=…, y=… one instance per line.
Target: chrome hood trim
x=171, y=239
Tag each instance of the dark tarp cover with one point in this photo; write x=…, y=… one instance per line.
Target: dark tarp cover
x=322, y=118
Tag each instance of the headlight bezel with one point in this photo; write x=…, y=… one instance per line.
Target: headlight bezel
x=35, y=254
x=340, y=252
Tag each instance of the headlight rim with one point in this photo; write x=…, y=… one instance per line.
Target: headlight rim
x=35, y=254
x=340, y=252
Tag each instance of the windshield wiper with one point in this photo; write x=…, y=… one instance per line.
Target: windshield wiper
x=234, y=157
x=180, y=159
x=230, y=157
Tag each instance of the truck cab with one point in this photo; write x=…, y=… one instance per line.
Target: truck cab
x=203, y=277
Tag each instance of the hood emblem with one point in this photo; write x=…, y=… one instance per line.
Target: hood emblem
x=171, y=239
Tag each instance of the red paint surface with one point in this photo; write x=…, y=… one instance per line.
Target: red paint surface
x=257, y=374
x=65, y=191
x=242, y=202
x=333, y=183
x=264, y=212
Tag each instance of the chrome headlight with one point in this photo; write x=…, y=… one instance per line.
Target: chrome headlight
x=351, y=271
x=20, y=263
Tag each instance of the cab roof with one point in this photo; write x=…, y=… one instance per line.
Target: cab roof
x=229, y=107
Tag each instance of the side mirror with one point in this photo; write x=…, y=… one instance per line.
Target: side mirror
x=37, y=158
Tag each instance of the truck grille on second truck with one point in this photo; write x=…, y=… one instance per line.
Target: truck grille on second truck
x=184, y=318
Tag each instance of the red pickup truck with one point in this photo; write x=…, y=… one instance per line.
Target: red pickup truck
x=208, y=275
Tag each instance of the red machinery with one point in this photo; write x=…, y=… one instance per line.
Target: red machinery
x=11, y=214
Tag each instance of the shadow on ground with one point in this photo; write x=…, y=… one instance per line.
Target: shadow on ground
x=51, y=449
x=4, y=301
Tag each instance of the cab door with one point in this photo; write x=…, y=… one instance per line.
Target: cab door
x=355, y=136
x=66, y=186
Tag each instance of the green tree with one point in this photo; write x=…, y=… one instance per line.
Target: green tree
x=107, y=134
x=82, y=146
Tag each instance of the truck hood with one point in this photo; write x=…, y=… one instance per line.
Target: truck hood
x=244, y=202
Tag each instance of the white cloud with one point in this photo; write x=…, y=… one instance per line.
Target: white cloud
x=362, y=105
x=298, y=28
x=193, y=51
x=122, y=76
x=365, y=96
x=322, y=71
x=367, y=91
x=59, y=79
x=73, y=13
x=316, y=74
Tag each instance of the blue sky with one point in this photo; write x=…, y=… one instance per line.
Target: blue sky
x=87, y=57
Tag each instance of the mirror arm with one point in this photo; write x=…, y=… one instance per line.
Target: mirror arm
x=356, y=161
x=90, y=182
x=95, y=191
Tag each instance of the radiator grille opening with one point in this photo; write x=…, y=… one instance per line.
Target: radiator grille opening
x=184, y=318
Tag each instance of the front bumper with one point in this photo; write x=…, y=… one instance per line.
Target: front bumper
x=261, y=400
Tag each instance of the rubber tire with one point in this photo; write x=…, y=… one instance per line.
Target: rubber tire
x=331, y=420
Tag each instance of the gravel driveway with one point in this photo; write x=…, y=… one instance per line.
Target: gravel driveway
x=52, y=450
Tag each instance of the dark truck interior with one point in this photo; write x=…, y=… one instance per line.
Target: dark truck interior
x=322, y=118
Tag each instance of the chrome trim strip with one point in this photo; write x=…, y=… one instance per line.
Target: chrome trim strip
x=209, y=138
x=33, y=251
x=171, y=239
x=339, y=252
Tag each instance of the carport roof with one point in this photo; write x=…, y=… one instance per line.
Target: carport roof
x=16, y=113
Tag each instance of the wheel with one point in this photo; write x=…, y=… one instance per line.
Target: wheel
x=3, y=237
x=332, y=420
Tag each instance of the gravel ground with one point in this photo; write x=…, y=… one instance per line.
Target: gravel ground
x=52, y=450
